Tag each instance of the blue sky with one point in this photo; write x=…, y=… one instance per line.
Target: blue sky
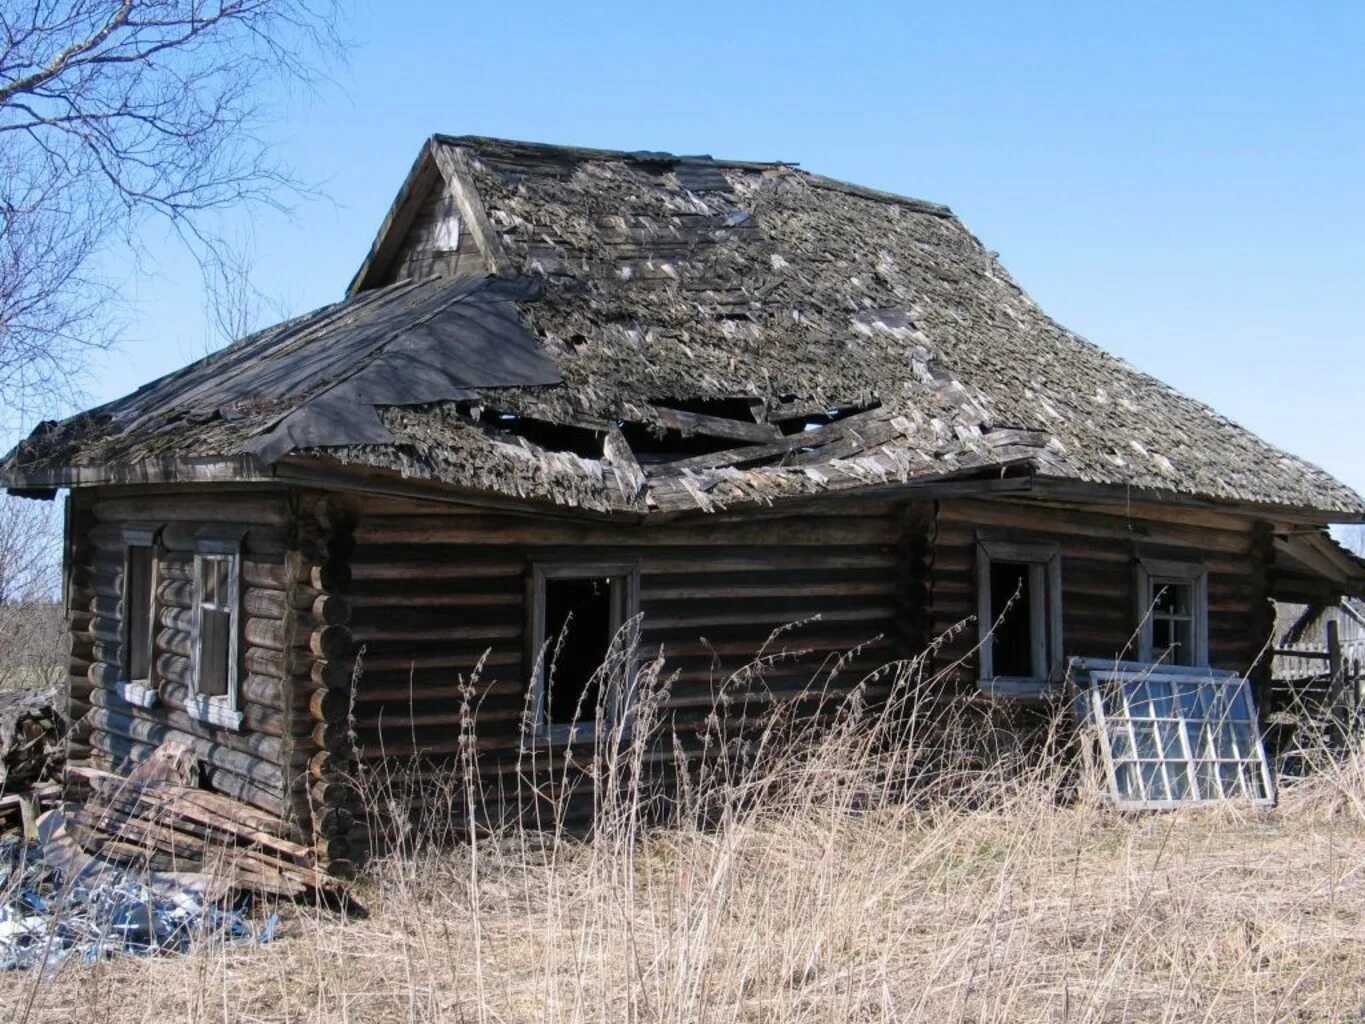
x=1184, y=186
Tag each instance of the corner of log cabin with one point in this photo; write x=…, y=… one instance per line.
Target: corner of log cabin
x=253, y=764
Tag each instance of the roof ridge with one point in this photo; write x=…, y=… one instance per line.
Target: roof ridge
x=699, y=159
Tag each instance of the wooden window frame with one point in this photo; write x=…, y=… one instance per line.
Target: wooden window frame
x=625, y=607
x=1045, y=585
x=1180, y=723
x=1150, y=573
x=140, y=692
x=223, y=710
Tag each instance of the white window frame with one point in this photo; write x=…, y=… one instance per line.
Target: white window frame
x=1151, y=575
x=141, y=692
x=624, y=580
x=222, y=710
x=1189, y=760
x=1044, y=562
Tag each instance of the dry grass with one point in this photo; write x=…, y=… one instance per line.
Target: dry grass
x=840, y=883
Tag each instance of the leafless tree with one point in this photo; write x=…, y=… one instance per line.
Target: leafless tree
x=30, y=615
x=29, y=534
x=116, y=111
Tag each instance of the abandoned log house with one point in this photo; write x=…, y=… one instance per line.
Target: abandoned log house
x=709, y=396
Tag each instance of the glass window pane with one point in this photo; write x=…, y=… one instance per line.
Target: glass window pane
x=137, y=610
x=1146, y=740
x=1163, y=704
x=1175, y=752
x=214, y=647
x=1125, y=774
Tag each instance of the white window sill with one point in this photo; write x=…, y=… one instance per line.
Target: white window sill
x=137, y=693
x=214, y=711
x=582, y=737
x=1016, y=687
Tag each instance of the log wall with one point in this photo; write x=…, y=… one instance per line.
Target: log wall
x=364, y=619
x=435, y=590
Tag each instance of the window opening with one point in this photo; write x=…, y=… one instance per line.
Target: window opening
x=1019, y=611
x=1173, y=613
x=577, y=613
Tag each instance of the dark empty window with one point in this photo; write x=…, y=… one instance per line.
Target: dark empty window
x=578, y=631
x=138, y=596
x=1012, y=614
x=578, y=612
x=1019, y=612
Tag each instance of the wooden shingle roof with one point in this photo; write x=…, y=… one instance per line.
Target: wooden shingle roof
x=727, y=333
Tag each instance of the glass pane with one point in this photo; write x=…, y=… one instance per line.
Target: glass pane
x=213, y=652
x=1152, y=784
x=1207, y=774
x=1119, y=747
x=138, y=612
x=1125, y=774
x=1172, y=598
x=1139, y=697
x=1187, y=697
x=1146, y=740
x=1178, y=772
x=1163, y=704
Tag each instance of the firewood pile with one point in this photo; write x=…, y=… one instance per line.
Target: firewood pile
x=166, y=826
x=32, y=750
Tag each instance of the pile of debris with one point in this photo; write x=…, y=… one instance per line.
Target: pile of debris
x=32, y=751
x=155, y=824
x=54, y=907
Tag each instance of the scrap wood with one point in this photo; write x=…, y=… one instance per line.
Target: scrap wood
x=32, y=728
x=164, y=825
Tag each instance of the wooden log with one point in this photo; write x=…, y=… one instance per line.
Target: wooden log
x=119, y=748
x=331, y=642
x=275, y=634
x=255, y=718
x=333, y=577
x=330, y=609
x=849, y=531
x=334, y=738
x=261, y=661
x=330, y=706
x=332, y=673
x=242, y=752
x=269, y=510
x=175, y=641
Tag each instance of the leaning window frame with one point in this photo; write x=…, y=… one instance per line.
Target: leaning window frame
x=223, y=710
x=625, y=600
x=1150, y=571
x=139, y=692
x=1045, y=583
x=1101, y=680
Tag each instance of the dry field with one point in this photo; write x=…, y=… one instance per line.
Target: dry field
x=837, y=885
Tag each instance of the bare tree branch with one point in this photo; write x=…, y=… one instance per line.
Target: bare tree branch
x=114, y=111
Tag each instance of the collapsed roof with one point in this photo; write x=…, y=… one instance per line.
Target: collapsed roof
x=640, y=331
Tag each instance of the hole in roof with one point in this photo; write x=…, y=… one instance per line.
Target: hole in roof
x=652, y=444
x=817, y=420
x=734, y=408
x=554, y=437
